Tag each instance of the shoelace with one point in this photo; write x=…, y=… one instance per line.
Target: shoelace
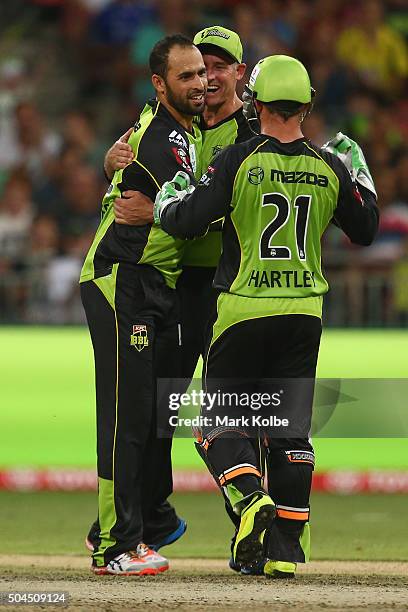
x=141, y=551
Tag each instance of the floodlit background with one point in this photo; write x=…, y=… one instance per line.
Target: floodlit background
x=73, y=78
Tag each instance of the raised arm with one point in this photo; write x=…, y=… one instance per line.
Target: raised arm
x=357, y=213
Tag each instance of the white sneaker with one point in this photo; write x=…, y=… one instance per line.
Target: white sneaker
x=140, y=562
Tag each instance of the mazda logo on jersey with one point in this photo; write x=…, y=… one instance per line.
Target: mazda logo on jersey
x=256, y=175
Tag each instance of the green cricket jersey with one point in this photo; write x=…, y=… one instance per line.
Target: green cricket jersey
x=206, y=251
x=161, y=147
x=277, y=200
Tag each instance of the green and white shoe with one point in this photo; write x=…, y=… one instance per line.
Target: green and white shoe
x=279, y=569
x=255, y=518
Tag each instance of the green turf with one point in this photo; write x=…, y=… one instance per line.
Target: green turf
x=48, y=410
x=368, y=527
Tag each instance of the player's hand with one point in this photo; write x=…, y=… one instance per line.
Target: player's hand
x=172, y=191
x=119, y=155
x=350, y=153
x=133, y=208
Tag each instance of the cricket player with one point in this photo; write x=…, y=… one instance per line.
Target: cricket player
x=277, y=193
x=222, y=123
x=128, y=292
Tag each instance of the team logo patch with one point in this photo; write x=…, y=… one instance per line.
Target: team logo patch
x=214, y=32
x=256, y=175
x=139, y=337
x=177, y=139
x=300, y=457
x=207, y=177
x=182, y=158
x=254, y=74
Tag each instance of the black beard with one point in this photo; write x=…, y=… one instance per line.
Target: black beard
x=181, y=105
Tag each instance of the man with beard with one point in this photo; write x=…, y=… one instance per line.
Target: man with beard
x=128, y=291
x=222, y=124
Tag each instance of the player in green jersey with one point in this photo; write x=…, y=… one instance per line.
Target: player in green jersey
x=277, y=193
x=128, y=292
x=221, y=124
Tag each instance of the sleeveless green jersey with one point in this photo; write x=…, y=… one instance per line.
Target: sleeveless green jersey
x=206, y=251
x=161, y=147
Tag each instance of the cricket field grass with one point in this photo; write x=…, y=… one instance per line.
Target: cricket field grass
x=47, y=397
x=359, y=542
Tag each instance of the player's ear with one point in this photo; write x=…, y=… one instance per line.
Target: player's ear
x=240, y=71
x=258, y=106
x=158, y=83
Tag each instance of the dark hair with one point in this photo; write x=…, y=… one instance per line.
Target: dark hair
x=160, y=52
x=285, y=108
x=288, y=108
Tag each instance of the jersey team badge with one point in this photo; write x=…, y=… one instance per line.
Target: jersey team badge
x=139, y=337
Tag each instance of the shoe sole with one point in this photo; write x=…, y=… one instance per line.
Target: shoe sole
x=103, y=571
x=250, y=550
x=277, y=574
x=247, y=570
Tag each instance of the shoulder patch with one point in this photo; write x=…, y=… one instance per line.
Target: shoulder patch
x=182, y=158
x=207, y=177
x=176, y=138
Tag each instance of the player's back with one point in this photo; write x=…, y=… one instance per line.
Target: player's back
x=284, y=195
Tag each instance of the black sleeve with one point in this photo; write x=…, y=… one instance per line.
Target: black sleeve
x=208, y=203
x=158, y=159
x=357, y=213
x=135, y=177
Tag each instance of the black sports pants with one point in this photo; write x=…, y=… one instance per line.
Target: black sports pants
x=197, y=301
x=272, y=347
x=133, y=319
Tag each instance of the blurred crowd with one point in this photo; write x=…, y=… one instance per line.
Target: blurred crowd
x=74, y=76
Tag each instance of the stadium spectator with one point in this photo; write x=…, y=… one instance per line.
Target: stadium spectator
x=87, y=59
x=42, y=248
x=80, y=209
x=37, y=144
x=16, y=215
x=375, y=51
x=14, y=87
x=79, y=134
x=172, y=16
